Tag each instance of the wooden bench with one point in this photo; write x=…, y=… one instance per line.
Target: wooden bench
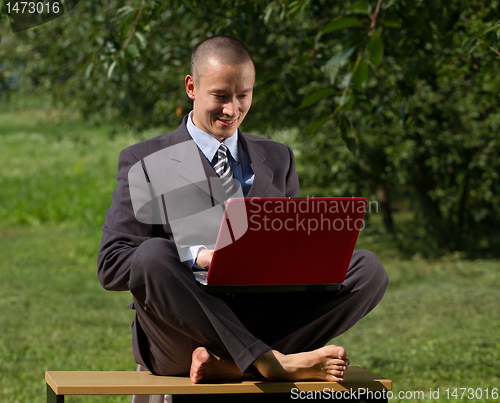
x=367, y=387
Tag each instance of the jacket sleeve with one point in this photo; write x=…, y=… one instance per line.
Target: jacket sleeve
x=122, y=233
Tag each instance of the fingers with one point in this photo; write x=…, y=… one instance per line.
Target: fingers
x=204, y=258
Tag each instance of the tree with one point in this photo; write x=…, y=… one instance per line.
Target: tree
x=386, y=95
x=430, y=126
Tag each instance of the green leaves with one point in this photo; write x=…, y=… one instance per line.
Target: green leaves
x=141, y=39
x=344, y=126
x=89, y=69
x=360, y=7
x=360, y=76
x=493, y=28
x=111, y=69
x=336, y=62
x=316, y=96
x=133, y=50
x=345, y=134
x=320, y=68
x=315, y=125
x=376, y=49
x=124, y=11
x=341, y=23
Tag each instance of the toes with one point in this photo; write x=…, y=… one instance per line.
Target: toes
x=339, y=375
x=194, y=377
x=198, y=363
x=196, y=373
x=334, y=378
x=337, y=352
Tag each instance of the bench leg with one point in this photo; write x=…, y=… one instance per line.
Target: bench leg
x=52, y=397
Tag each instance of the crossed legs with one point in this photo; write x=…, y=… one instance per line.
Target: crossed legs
x=281, y=336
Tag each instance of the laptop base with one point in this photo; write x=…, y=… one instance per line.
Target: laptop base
x=201, y=279
x=269, y=288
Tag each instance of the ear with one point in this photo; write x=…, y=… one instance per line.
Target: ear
x=190, y=87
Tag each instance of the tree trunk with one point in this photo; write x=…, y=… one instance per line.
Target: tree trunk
x=385, y=207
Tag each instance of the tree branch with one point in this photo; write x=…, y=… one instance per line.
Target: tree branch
x=489, y=46
x=134, y=26
x=374, y=16
x=469, y=21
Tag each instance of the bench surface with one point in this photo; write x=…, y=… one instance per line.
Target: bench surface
x=144, y=383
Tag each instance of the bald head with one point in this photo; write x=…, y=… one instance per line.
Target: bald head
x=221, y=49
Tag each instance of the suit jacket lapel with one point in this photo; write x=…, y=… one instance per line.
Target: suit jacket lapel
x=263, y=174
x=189, y=166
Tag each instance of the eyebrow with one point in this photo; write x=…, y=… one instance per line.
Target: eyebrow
x=219, y=91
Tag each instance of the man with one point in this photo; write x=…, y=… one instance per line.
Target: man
x=179, y=329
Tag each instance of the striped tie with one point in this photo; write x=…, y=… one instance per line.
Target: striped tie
x=224, y=171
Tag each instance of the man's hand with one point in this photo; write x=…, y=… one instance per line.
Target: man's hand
x=204, y=258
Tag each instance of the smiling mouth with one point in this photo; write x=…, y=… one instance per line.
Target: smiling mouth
x=227, y=122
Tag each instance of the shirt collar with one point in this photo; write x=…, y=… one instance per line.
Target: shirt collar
x=208, y=144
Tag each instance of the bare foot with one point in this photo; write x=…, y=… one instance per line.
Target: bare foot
x=328, y=363
x=206, y=366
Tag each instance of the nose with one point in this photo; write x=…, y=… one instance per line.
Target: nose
x=231, y=108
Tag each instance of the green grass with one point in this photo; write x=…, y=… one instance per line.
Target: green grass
x=55, y=315
x=57, y=172
x=437, y=326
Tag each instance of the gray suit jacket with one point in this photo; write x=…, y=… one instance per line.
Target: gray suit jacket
x=160, y=177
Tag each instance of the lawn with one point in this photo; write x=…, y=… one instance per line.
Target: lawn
x=437, y=326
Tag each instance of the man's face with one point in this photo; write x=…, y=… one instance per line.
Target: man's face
x=222, y=96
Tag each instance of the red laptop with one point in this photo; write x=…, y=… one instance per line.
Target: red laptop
x=283, y=244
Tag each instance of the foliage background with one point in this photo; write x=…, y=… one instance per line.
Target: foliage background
x=389, y=99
